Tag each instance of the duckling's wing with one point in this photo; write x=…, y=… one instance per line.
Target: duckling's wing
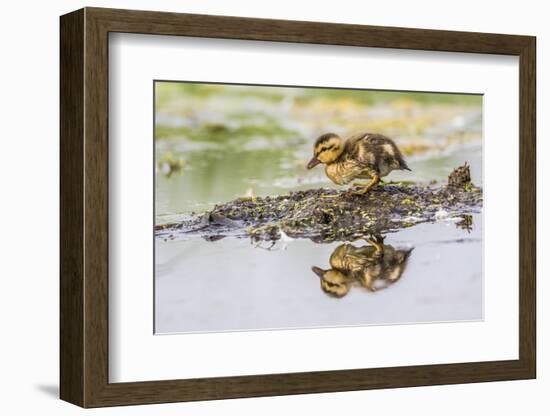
x=354, y=142
x=385, y=148
x=372, y=150
x=365, y=148
x=373, y=139
x=353, y=145
x=356, y=261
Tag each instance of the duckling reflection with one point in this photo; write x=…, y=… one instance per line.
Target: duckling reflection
x=375, y=266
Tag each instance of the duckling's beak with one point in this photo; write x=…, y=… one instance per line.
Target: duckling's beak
x=313, y=162
x=318, y=271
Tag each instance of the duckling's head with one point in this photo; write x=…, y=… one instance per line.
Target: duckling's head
x=333, y=282
x=327, y=149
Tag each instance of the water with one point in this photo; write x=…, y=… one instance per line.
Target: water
x=230, y=284
x=224, y=147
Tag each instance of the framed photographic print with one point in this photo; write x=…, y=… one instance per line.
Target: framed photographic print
x=255, y=207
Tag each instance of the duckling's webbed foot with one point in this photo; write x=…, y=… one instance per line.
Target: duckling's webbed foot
x=361, y=191
x=374, y=181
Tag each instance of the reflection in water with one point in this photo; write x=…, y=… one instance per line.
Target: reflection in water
x=375, y=266
x=246, y=288
x=466, y=223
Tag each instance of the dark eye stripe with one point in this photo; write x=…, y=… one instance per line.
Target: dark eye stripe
x=322, y=149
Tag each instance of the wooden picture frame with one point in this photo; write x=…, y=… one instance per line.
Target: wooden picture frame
x=84, y=207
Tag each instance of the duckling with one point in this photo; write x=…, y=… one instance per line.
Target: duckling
x=374, y=267
x=362, y=156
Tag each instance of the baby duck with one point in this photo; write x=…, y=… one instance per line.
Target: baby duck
x=374, y=267
x=362, y=156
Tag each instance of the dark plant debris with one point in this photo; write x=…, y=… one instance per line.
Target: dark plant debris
x=327, y=215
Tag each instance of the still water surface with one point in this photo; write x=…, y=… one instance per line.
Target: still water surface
x=231, y=285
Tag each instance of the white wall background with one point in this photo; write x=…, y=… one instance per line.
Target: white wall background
x=29, y=102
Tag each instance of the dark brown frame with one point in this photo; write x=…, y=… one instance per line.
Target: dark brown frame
x=84, y=207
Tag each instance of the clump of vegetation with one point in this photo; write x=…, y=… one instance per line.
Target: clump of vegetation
x=461, y=178
x=326, y=215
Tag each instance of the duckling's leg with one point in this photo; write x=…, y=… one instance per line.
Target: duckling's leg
x=373, y=182
x=367, y=280
x=378, y=247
